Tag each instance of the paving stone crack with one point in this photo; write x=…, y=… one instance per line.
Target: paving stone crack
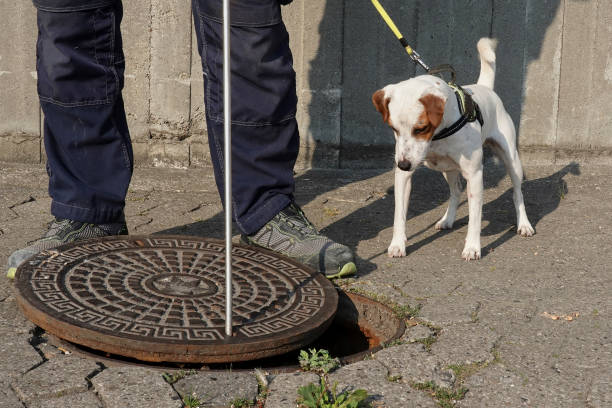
x=587, y=397
x=35, y=341
x=15, y=214
x=194, y=209
x=474, y=314
x=455, y=288
x=27, y=200
x=146, y=211
x=177, y=394
x=12, y=388
x=90, y=376
x=143, y=224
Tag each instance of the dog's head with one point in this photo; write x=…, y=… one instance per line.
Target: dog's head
x=414, y=110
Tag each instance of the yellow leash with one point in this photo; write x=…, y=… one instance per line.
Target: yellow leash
x=412, y=53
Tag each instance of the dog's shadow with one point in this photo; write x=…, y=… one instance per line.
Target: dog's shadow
x=429, y=191
x=542, y=196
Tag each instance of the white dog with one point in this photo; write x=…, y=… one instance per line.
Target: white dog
x=422, y=108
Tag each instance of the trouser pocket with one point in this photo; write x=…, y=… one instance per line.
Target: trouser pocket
x=263, y=79
x=79, y=53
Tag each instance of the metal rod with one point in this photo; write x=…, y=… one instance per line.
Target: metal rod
x=227, y=129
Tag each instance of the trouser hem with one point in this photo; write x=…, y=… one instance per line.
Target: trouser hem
x=255, y=220
x=88, y=215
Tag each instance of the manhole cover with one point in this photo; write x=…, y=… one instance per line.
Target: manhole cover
x=162, y=298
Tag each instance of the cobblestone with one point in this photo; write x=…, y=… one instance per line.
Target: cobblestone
x=416, y=333
x=55, y=378
x=415, y=365
x=465, y=344
x=81, y=400
x=218, y=389
x=283, y=388
x=488, y=314
x=383, y=389
x=134, y=387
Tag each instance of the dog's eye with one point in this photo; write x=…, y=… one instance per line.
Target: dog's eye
x=418, y=131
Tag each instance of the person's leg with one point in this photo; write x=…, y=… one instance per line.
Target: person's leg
x=80, y=69
x=265, y=137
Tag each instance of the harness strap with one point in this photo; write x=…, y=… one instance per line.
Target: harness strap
x=470, y=112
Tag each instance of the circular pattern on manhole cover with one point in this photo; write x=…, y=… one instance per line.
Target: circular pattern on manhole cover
x=162, y=298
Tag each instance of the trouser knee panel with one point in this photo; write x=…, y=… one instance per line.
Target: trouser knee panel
x=79, y=56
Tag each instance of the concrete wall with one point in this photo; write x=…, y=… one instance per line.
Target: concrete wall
x=554, y=74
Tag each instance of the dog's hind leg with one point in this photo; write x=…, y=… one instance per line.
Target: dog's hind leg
x=473, y=175
x=506, y=150
x=454, y=184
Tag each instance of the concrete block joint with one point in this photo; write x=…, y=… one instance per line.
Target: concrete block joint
x=556, y=104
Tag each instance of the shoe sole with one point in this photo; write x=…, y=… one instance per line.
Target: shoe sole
x=347, y=270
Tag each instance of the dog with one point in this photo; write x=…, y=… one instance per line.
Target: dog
x=421, y=108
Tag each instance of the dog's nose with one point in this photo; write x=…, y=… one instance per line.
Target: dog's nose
x=404, y=165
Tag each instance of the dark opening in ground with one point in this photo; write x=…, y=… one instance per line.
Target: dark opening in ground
x=361, y=326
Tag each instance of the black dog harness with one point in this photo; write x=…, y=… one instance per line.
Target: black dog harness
x=470, y=112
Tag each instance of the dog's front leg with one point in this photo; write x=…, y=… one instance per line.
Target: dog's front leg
x=454, y=184
x=474, y=190
x=402, y=196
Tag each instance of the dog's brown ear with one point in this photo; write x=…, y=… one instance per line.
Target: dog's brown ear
x=434, y=108
x=381, y=102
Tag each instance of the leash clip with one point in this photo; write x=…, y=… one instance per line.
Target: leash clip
x=438, y=70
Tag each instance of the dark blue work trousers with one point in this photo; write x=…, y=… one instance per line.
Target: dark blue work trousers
x=80, y=68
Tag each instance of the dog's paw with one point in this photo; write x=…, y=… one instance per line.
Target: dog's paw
x=444, y=224
x=525, y=230
x=470, y=254
x=396, y=251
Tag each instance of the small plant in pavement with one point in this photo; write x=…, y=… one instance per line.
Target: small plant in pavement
x=241, y=403
x=171, y=378
x=319, y=396
x=445, y=397
x=318, y=361
x=191, y=401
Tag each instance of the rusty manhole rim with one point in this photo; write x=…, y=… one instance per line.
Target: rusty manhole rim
x=120, y=361
x=226, y=351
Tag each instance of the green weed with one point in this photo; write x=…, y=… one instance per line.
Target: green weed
x=318, y=361
x=445, y=397
x=313, y=396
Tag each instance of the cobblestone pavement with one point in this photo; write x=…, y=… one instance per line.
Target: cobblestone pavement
x=484, y=326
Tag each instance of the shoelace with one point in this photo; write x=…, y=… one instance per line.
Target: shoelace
x=305, y=226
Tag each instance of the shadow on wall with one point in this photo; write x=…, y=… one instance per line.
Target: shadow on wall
x=443, y=32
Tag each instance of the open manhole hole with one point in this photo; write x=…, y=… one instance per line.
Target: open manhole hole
x=162, y=299
x=361, y=326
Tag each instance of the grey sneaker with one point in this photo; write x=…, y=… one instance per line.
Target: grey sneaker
x=291, y=234
x=60, y=232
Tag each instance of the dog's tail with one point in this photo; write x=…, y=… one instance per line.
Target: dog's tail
x=486, y=49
